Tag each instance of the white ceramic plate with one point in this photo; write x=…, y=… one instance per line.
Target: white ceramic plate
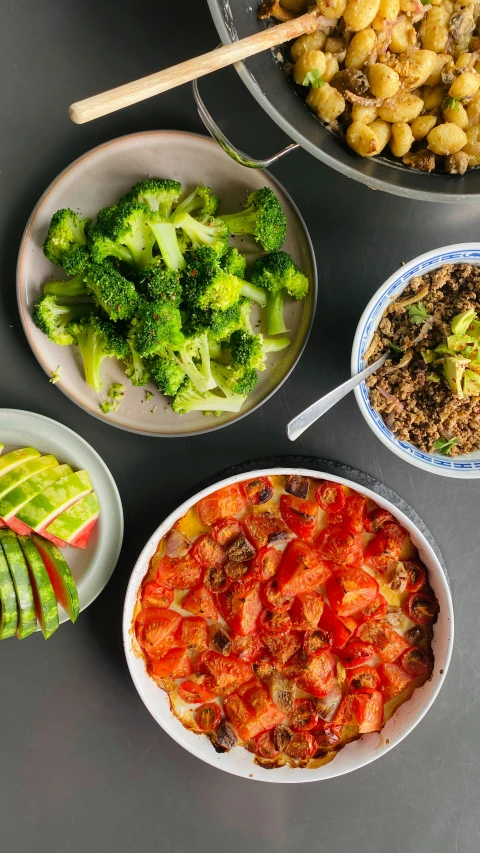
x=465, y=467
x=92, y=567
x=369, y=747
x=99, y=178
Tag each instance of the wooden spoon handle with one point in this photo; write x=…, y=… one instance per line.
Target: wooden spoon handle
x=185, y=72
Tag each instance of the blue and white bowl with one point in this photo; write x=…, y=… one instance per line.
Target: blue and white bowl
x=466, y=466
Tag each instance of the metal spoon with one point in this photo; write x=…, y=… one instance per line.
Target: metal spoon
x=308, y=417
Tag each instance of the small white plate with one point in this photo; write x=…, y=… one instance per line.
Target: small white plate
x=100, y=178
x=92, y=567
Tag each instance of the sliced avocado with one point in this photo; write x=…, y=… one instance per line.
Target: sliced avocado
x=27, y=622
x=443, y=349
x=16, y=457
x=23, y=472
x=471, y=383
x=474, y=328
x=8, y=600
x=461, y=322
x=44, y=596
x=454, y=368
x=43, y=508
x=428, y=355
x=60, y=576
x=457, y=343
x=16, y=498
x=70, y=523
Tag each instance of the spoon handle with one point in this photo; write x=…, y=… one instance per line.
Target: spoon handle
x=308, y=417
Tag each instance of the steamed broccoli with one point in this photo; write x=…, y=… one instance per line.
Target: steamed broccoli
x=111, y=291
x=165, y=234
x=251, y=350
x=73, y=287
x=202, y=199
x=263, y=217
x=158, y=194
x=123, y=232
x=234, y=262
x=239, y=379
x=157, y=325
x=245, y=311
x=208, y=232
x=207, y=285
x=189, y=399
x=193, y=356
x=52, y=317
x=97, y=339
x=157, y=282
x=66, y=243
x=278, y=274
x=167, y=374
x=136, y=369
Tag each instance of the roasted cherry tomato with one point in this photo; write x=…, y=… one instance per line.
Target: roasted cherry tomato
x=315, y=641
x=154, y=595
x=155, y=630
x=336, y=630
x=265, y=746
x=368, y=710
x=216, y=580
x=274, y=623
x=352, y=516
x=174, y=664
x=201, y=688
x=364, y=678
x=377, y=609
x=356, y=653
x=225, y=531
x=417, y=575
x=265, y=528
x=240, y=606
x=257, y=491
x=330, y=496
x=416, y=663
x=200, y=602
x=386, y=547
x=375, y=520
x=315, y=675
x=306, y=610
x=267, y=562
x=301, y=747
x=207, y=552
x=226, y=502
x=345, y=715
x=282, y=646
x=421, y=607
x=304, y=716
x=350, y=589
x=273, y=599
x=193, y=634
x=251, y=714
x=263, y=665
x=179, y=573
x=327, y=735
x=228, y=672
x=237, y=571
x=340, y=546
x=302, y=569
x=208, y=716
x=384, y=638
x=300, y=516
x=248, y=648
x=393, y=679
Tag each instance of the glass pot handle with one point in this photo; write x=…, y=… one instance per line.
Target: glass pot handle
x=227, y=146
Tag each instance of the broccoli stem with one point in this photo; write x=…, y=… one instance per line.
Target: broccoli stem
x=74, y=287
x=256, y=293
x=166, y=236
x=275, y=319
x=92, y=354
x=243, y=222
x=275, y=344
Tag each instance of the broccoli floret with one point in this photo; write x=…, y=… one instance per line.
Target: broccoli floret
x=73, y=287
x=97, y=339
x=279, y=275
x=245, y=311
x=158, y=194
x=194, y=358
x=241, y=380
x=157, y=282
x=208, y=232
x=166, y=238
x=136, y=369
x=263, y=217
x=123, y=232
x=234, y=262
x=52, y=317
x=66, y=242
x=251, y=350
x=157, y=325
x=189, y=399
x=111, y=291
x=202, y=199
x=207, y=285
x=167, y=374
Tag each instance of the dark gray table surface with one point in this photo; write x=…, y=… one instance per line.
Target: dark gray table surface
x=83, y=766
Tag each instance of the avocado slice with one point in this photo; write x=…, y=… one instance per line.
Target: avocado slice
x=18, y=497
x=461, y=322
x=44, y=596
x=454, y=368
x=71, y=524
x=474, y=328
x=60, y=576
x=428, y=355
x=471, y=383
x=8, y=600
x=23, y=472
x=16, y=457
x=27, y=622
x=42, y=509
x=457, y=343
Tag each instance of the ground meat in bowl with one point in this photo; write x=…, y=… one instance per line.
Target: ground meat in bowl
x=410, y=392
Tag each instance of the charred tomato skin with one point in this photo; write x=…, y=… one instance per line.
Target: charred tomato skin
x=330, y=496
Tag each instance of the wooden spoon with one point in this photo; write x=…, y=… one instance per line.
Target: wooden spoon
x=185, y=72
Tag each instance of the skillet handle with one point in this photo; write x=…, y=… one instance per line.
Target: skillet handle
x=225, y=143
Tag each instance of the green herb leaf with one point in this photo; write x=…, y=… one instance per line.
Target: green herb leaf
x=451, y=104
x=396, y=352
x=443, y=446
x=417, y=313
x=313, y=79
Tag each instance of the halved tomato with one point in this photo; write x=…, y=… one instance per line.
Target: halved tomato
x=302, y=569
x=352, y=516
x=416, y=663
x=207, y=552
x=282, y=646
x=216, y=580
x=304, y=716
x=265, y=747
x=364, y=678
x=274, y=623
x=368, y=709
x=301, y=746
x=417, y=575
x=225, y=531
x=223, y=503
x=257, y=491
x=208, y=716
x=393, y=679
x=377, y=519
x=315, y=675
x=253, y=712
x=154, y=595
x=421, y=607
x=376, y=610
x=267, y=562
x=174, y=664
x=240, y=606
x=339, y=634
x=356, y=653
x=330, y=496
x=155, y=630
x=385, y=548
x=315, y=641
x=340, y=546
x=193, y=634
x=345, y=714
x=384, y=638
x=200, y=602
x=228, y=672
x=179, y=573
x=350, y=589
x=248, y=648
x=264, y=528
x=273, y=599
x=300, y=516
x=200, y=688
x=306, y=610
